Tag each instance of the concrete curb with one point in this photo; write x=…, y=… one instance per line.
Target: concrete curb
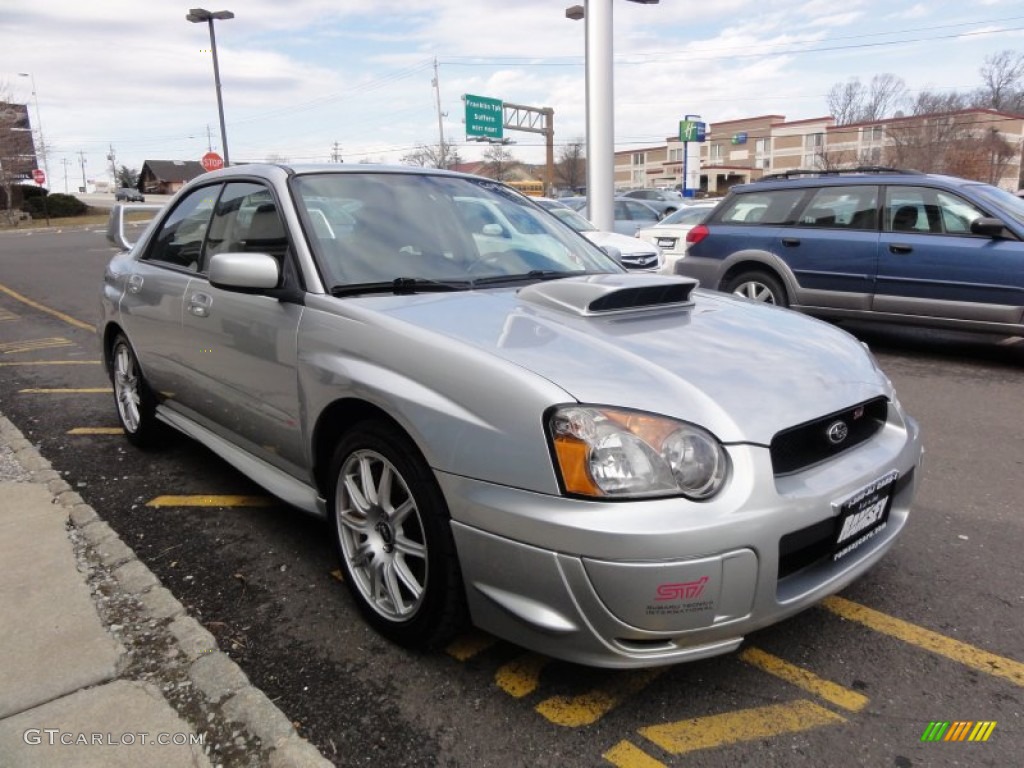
x=165, y=647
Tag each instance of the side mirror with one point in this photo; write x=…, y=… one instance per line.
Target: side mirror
x=115, y=222
x=987, y=226
x=494, y=230
x=246, y=272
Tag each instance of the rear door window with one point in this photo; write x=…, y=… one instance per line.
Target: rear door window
x=853, y=207
x=777, y=206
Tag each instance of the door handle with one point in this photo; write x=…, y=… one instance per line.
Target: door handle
x=791, y=242
x=135, y=283
x=899, y=249
x=199, y=304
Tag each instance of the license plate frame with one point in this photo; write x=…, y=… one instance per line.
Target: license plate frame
x=863, y=515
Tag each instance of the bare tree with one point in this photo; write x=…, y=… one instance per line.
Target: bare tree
x=853, y=102
x=845, y=101
x=571, y=168
x=1002, y=77
x=933, y=102
x=499, y=162
x=433, y=156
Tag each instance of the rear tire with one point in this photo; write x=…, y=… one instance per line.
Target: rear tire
x=392, y=531
x=758, y=286
x=135, y=401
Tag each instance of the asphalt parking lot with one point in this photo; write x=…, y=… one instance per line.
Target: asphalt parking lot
x=931, y=635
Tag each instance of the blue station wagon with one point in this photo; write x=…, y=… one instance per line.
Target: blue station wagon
x=897, y=246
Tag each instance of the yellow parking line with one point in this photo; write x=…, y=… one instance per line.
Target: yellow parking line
x=96, y=431
x=210, y=501
x=67, y=391
x=962, y=653
x=589, y=707
x=50, y=362
x=742, y=725
x=805, y=679
x=521, y=676
x=6, y=314
x=625, y=754
x=31, y=345
x=43, y=308
x=469, y=645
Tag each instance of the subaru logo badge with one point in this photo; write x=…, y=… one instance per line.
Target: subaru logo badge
x=837, y=432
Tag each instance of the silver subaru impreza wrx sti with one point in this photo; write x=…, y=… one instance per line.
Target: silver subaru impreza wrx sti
x=504, y=426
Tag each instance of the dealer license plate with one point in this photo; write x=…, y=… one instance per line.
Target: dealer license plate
x=666, y=242
x=864, y=515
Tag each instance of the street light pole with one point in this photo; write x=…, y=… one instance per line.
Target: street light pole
x=39, y=123
x=600, y=109
x=197, y=16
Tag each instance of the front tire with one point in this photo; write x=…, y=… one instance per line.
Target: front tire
x=758, y=286
x=136, y=404
x=392, y=530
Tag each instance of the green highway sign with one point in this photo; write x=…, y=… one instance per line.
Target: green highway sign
x=692, y=130
x=484, y=118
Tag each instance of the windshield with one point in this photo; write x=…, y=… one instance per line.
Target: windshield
x=376, y=228
x=690, y=215
x=1008, y=202
x=573, y=219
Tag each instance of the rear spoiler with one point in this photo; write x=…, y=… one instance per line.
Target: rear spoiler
x=115, y=224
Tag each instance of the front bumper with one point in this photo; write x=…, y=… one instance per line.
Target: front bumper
x=641, y=583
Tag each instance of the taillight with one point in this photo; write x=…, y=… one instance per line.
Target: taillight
x=696, y=234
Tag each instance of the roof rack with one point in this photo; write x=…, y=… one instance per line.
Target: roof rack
x=836, y=172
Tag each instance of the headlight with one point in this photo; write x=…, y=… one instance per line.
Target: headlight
x=607, y=452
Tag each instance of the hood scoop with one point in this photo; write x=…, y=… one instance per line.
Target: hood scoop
x=611, y=293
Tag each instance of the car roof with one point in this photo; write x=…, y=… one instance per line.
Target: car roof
x=845, y=177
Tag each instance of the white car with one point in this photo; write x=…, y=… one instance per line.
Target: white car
x=635, y=255
x=669, y=234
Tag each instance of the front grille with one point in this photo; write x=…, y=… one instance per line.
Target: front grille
x=798, y=447
x=639, y=260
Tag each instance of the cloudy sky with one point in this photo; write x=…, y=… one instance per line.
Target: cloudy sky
x=299, y=76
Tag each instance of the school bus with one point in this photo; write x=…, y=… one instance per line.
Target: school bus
x=531, y=188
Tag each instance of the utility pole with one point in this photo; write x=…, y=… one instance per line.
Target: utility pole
x=81, y=159
x=209, y=139
x=65, y=162
x=113, y=166
x=436, y=82
x=336, y=154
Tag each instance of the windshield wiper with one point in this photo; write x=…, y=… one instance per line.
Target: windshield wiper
x=533, y=274
x=400, y=285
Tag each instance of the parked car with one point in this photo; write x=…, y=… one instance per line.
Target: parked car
x=634, y=254
x=664, y=201
x=878, y=244
x=127, y=194
x=606, y=467
x=669, y=234
x=630, y=215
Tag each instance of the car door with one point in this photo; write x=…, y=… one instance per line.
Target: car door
x=832, y=248
x=930, y=264
x=241, y=358
x=152, y=305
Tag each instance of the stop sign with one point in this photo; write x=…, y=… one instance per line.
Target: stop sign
x=212, y=161
x=39, y=176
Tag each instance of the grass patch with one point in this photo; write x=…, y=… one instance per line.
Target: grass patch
x=94, y=217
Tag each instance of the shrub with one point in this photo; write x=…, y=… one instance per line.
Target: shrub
x=58, y=205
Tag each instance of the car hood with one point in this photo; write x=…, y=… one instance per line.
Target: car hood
x=624, y=243
x=741, y=369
